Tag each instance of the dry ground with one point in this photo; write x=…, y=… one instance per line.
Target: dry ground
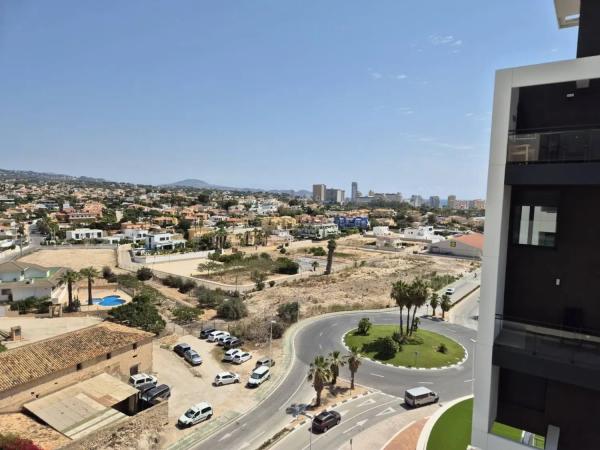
x=75, y=259
x=28, y=428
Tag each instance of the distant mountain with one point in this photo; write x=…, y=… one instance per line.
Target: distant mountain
x=201, y=184
x=23, y=175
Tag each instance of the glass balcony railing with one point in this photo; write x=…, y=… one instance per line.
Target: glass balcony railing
x=554, y=147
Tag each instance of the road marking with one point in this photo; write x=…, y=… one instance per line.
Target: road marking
x=244, y=445
x=425, y=382
x=359, y=424
x=320, y=334
x=389, y=410
x=468, y=381
x=377, y=375
x=320, y=347
x=333, y=324
x=225, y=436
x=367, y=402
x=343, y=413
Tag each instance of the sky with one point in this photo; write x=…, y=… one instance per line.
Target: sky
x=272, y=94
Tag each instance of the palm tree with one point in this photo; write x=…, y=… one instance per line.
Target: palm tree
x=353, y=364
x=70, y=277
x=401, y=295
x=419, y=292
x=314, y=265
x=89, y=273
x=319, y=373
x=434, y=302
x=331, y=245
x=445, y=305
x=336, y=360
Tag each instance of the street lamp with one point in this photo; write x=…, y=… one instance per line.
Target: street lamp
x=474, y=341
x=271, y=342
x=311, y=417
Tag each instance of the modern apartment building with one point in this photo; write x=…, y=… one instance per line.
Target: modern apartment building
x=434, y=201
x=354, y=192
x=451, y=204
x=538, y=347
x=334, y=196
x=319, y=192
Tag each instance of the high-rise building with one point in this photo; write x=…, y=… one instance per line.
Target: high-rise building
x=319, y=192
x=451, y=202
x=538, y=346
x=334, y=196
x=354, y=192
x=434, y=201
x=416, y=201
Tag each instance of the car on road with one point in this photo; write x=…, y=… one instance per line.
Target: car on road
x=154, y=395
x=241, y=357
x=420, y=396
x=269, y=362
x=325, y=420
x=142, y=379
x=212, y=337
x=232, y=343
x=193, y=357
x=221, y=339
x=259, y=376
x=226, y=378
x=230, y=354
x=450, y=291
x=206, y=331
x=180, y=349
x=197, y=413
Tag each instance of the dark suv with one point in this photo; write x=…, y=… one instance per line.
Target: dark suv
x=206, y=331
x=325, y=420
x=180, y=349
x=232, y=343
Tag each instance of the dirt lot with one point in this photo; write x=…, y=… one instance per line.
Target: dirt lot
x=192, y=385
x=75, y=259
x=28, y=428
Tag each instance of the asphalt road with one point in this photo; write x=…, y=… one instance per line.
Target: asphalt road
x=321, y=337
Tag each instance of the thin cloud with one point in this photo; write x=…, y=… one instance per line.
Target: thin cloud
x=401, y=76
x=375, y=75
x=438, y=39
x=407, y=110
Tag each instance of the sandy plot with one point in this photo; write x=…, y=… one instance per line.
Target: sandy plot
x=75, y=259
x=184, y=268
x=28, y=428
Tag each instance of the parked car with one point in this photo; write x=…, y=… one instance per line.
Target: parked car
x=450, y=291
x=420, y=396
x=160, y=392
x=141, y=379
x=221, y=339
x=325, y=420
x=192, y=357
x=180, y=349
x=241, y=357
x=206, y=331
x=259, y=376
x=142, y=388
x=269, y=362
x=235, y=342
x=197, y=413
x=226, y=378
x=212, y=337
x=224, y=342
x=230, y=354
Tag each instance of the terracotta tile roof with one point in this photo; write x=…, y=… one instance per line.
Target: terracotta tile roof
x=30, y=362
x=472, y=239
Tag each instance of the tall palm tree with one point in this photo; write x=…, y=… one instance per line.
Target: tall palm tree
x=401, y=295
x=354, y=362
x=336, y=360
x=319, y=373
x=331, y=245
x=89, y=273
x=446, y=304
x=434, y=302
x=70, y=277
x=419, y=291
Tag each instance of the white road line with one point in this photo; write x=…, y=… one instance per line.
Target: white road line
x=425, y=382
x=285, y=404
x=320, y=334
x=468, y=381
x=377, y=375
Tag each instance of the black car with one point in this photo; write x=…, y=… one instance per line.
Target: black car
x=161, y=392
x=206, y=331
x=325, y=420
x=180, y=349
x=233, y=343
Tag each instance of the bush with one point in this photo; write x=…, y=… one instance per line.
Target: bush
x=286, y=266
x=208, y=298
x=259, y=279
x=139, y=313
x=277, y=329
x=37, y=305
x=107, y=272
x=75, y=306
x=288, y=311
x=442, y=348
x=385, y=348
x=271, y=283
x=185, y=314
x=9, y=441
x=364, y=325
x=174, y=282
x=317, y=251
x=2, y=348
x=283, y=251
x=186, y=286
x=232, y=309
x=144, y=274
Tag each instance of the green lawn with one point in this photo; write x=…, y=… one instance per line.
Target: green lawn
x=452, y=431
x=428, y=356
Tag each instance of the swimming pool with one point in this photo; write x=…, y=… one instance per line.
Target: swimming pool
x=109, y=300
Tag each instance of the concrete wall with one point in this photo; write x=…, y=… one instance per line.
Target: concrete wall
x=139, y=431
x=149, y=259
x=121, y=361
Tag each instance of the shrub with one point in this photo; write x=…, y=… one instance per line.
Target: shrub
x=286, y=266
x=364, y=325
x=277, y=329
x=288, y=312
x=174, y=282
x=442, y=348
x=186, y=286
x=271, y=283
x=399, y=338
x=37, y=305
x=9, y=441
x=144, y=274
x=139, y=313
x=232, y=309
x=185, y=314
x=317, y=251
x=259, y=279
x=208, y=298
x=107, y=272
x=2, y=348
x=74, y=307
x=385, y=348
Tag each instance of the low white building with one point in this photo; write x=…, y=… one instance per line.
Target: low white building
x=421, y=234
x=319, y=230
x=164, y=241
x=81, y=234
x=381, y=231
x=465, y=245
x=22, y=280
x=135, y=234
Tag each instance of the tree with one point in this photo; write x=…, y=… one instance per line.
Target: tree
x=401, y=295
x=259, y=279
x=144, y=274
x=288, y=311
x=336, y=360
x=139, y=313
x=70, y=277
x=434, y=302
x=89, y=273
x=286, y=266
x=364, y=325
x=185, y=314
x=314, y=265
x=418, y=297
x=208, y=266
x=445, y=305
x=319, y=373
x=232, y=309
x=331, y=245
x=354, y=363
x=386, y=347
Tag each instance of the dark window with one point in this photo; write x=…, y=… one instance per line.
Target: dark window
x=108, y=355
x=79, y=366
x=135, y=346
x=535, y=225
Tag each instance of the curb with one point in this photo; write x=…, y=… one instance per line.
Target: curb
x=426, y=431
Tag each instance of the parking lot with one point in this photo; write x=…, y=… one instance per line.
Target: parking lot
x=191, y=385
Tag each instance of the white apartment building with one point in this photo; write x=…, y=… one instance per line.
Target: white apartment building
x=81, y=234
x=164, y=241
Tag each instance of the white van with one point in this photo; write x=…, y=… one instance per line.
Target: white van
x=258, y=376
x=420, y=396
x=212, y=337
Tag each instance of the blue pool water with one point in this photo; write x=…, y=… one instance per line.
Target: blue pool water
x=110, y=300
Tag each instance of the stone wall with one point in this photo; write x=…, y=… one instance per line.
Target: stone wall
x=136, y=432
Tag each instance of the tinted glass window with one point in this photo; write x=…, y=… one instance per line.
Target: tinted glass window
x=535, y=225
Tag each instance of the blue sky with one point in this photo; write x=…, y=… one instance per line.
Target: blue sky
x=275, y=94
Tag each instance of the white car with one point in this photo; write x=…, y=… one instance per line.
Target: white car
x=212, y=337
x=230, y=354
x=221, y=339
x=241, y=357
x=449, y=291
x=197, y=413
x=259, y=376
x=226, y=378
x=140, y=379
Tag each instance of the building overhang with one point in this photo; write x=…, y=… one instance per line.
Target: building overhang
x=567, y=12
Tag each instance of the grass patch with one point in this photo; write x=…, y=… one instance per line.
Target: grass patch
x=452, y=431
x=426, y=343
